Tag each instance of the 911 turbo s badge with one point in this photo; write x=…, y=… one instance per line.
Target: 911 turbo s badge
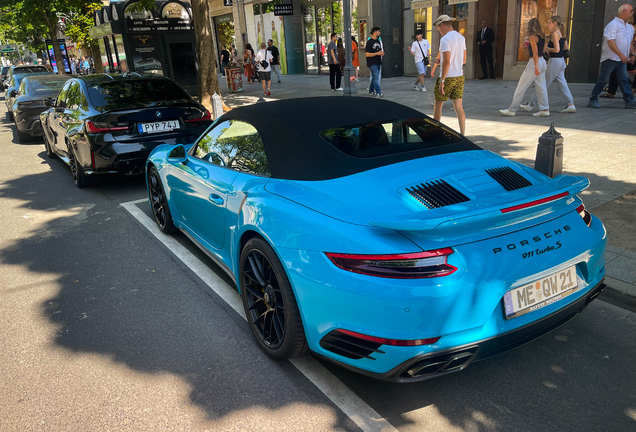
x=533, y=240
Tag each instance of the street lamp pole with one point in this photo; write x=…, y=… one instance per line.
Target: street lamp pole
x=349, y=86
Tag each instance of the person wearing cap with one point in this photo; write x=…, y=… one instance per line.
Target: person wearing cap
x=450, y=84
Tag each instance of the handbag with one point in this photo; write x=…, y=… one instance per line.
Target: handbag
x=566, y=54
x=264, y=64
x=425, y=61
x=546, y=56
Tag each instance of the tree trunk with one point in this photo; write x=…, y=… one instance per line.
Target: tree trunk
x=206, y=58
x=59, y=60
x=97, y=58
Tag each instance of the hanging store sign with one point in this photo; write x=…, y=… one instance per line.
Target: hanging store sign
x=175, y=11
x=283, y=10
x=424, y=4
x=227, y=2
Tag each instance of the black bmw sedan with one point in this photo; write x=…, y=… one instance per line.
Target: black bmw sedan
x=109, y=123
x=29, y=102
x=14, y=86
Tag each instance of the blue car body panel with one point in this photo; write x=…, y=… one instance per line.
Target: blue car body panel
x=372, y=213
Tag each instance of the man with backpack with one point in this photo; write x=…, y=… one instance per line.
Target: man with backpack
x=263, y=63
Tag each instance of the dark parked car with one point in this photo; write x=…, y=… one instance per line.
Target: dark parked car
x=29, y=102
x=109, y=123
x=13, y=89
x=23, y=69
x=3, y=74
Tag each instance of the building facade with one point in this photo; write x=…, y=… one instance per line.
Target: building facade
x=302, y=36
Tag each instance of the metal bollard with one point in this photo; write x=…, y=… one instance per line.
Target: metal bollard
x=549, y=160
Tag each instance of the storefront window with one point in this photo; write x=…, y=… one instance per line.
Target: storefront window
x=460, y=12
x=225, y=34
x=415, y=19
x=541, y=9
x=268, y=26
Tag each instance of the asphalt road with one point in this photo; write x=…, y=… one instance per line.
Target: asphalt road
x=103, y=328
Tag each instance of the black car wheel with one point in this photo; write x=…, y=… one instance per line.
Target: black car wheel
x=47, y=146
x=159, y=202
x=80, y=179
x=22, y=137
x=10, y=115
x=269, y=302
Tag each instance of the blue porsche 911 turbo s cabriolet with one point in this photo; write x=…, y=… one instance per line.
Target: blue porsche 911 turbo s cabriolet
x=378, y=238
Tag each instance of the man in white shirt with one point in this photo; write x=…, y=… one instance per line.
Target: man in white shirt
x=450, y=84
x=616, y=53
x=264, y=72
x=420, y=50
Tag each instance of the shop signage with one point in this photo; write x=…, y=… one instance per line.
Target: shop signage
x=227, y=2
x=158, y=26
x=175, y=10
x=424, y=4
x=9, y=48
x=452, y=2
x=282, y=10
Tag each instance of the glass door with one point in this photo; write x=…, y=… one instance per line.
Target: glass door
x=320, y=22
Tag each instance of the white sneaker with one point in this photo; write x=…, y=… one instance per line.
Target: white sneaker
x=541, y=114
x=414, y=86
x=339, y=89
x=508, y=112
x=380, y=95
x=423, y=88
x=333, y=90
x=569, y=109
x=367, y=89
x=526, y=107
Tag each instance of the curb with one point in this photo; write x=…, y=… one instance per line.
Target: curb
x=619, y=293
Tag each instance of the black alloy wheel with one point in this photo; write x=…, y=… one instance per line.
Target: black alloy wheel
x=47, y=146
x=269, y=302
x=80, y=179
x=159, y=203
x=22, y=137
x=10, y=115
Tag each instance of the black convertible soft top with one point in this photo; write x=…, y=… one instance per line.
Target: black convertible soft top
x=295, y=150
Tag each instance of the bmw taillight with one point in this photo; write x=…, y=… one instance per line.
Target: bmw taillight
x=587, y=217
x=92, y=127
x=427, y=264
x=206, y=116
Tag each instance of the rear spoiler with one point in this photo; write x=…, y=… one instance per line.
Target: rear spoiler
x=494, y=212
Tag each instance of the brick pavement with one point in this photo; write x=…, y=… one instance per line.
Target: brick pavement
x=598, y=144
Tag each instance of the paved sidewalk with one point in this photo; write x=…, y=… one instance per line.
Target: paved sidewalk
x=598, y=144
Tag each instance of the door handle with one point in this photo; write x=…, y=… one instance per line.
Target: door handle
x=216, y=199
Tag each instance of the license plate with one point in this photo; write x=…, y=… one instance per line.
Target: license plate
x=154, y=127
x=540, y=293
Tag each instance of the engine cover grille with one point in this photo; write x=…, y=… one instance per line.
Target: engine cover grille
x=508, y=178
x=437, y=193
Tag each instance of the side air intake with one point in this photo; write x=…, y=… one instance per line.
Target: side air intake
x=437, y=193
x=349, y=346
x=508, y=178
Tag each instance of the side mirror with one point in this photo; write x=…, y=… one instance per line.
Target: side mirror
x=178, y=154
x=48, y=102
x=13, y=93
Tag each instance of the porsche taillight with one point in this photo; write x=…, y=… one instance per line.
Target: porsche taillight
x=587, y=217
x=206, y=116
x=418, y=265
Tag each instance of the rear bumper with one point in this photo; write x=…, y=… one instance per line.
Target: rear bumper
x=440, y=363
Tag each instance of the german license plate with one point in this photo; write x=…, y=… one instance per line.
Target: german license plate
x=540, y=293
x=162, y=126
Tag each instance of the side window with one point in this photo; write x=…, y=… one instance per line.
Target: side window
x=62, y=94
x=73, y=97
x=234, y=144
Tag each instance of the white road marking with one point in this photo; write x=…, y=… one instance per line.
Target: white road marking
x=355, y=408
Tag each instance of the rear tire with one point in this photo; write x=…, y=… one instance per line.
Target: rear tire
x=10, y=115
x=269, y=302
x=159, y=202
x=80, y=179
x=22, y=137
x=47, y=146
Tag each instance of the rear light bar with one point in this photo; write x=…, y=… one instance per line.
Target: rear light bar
x=534, y=203
x=587, y=217
x=91, y=128
x=418, y=265
x=392, y=342
x=206, y=116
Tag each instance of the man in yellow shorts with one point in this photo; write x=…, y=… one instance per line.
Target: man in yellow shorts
x=450, y=84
